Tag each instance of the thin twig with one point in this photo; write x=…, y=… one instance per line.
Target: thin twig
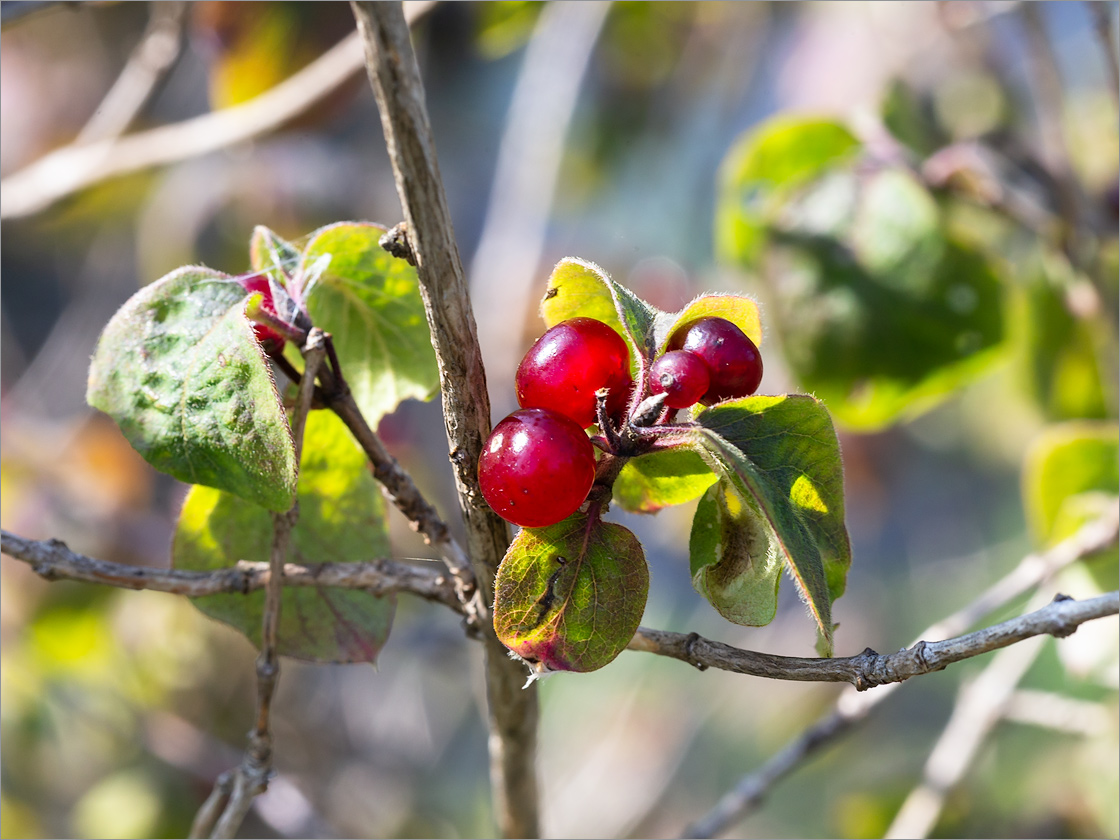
x=395, y=78
x=870, y=669
x=852, y=707
x=402, y=491
x=149, y=62
x=52, y=560
x=72, y=168
x=251, y=777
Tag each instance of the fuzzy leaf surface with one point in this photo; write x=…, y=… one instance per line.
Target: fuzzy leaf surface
x=580, y=289
x=180, y=371
x=569, y=597
x=672, y=477
x=740, y=310
x=733, y=560
x=370, y=302
x=341, y=520
x=780, y=454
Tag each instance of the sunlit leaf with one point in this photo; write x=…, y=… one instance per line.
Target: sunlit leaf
x=369, y=301
x=569, y=597
x=738, y=309
x=341, y=520
x=781, y=456
x=580, y=289
x=180, y=371
x=764, y=169
x=672, y=477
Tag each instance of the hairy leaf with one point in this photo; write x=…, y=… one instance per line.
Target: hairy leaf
x=569, y=597
x=782, y=457
x=341, y=520
x=672, y=477
x=580, y=289
x=733, y=560
x=738, y=309
x=370, y=302
x=179, y=370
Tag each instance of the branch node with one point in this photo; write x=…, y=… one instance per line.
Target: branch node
x=689, y=644
x=396, y=242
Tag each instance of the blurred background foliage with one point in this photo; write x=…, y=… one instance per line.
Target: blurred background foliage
x=923, y=196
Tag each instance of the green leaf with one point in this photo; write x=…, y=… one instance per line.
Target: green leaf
x=370, y=302
x=580, y=289
x=897, y=231
x=671, y=477
x=782, y=457
x=738, y=309
x=341, y=520
x=1065, y=461
x=570, y=597
x=879, y=347
x=1061, y=354
x=179, y=370
x=269, y=252
x=734, y=562
x=764, y=169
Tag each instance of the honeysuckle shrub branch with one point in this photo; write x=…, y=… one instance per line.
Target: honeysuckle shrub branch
x=186, y=369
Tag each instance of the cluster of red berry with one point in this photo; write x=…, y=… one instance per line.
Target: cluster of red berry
x=538, y=465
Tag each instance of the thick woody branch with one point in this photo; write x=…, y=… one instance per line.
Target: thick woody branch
x=395, y=78
x=52, y=560
x=870, y=669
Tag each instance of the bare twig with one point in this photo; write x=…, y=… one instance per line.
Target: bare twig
x=852, y=707
x=980, y=704
x=870, y=669
x=395, y=78
x=149, y=62
x=52, y=560
x=1059, y=713
x=75, y=167
x=251, y=777
x=403, y=492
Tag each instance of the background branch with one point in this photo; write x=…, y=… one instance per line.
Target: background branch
x=852, y=707
x=69, y=169
x=52, y=560
x=870, y=669
x=395, y=78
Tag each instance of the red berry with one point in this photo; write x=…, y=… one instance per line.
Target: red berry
x=733, y=360
x=258, y=284
x=680, y=375
x=536, y=468
x=569, y=363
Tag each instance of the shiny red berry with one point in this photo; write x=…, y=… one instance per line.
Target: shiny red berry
x=569, y=363
x=536, y=468
x=733, y=360
x=680, y=375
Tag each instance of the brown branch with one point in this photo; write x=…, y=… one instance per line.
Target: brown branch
x=395, y=78
x=852, y=707
x=404, y=494
x=52, y=560
x=870, y=669
x=149, y=62
x=250, y=778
